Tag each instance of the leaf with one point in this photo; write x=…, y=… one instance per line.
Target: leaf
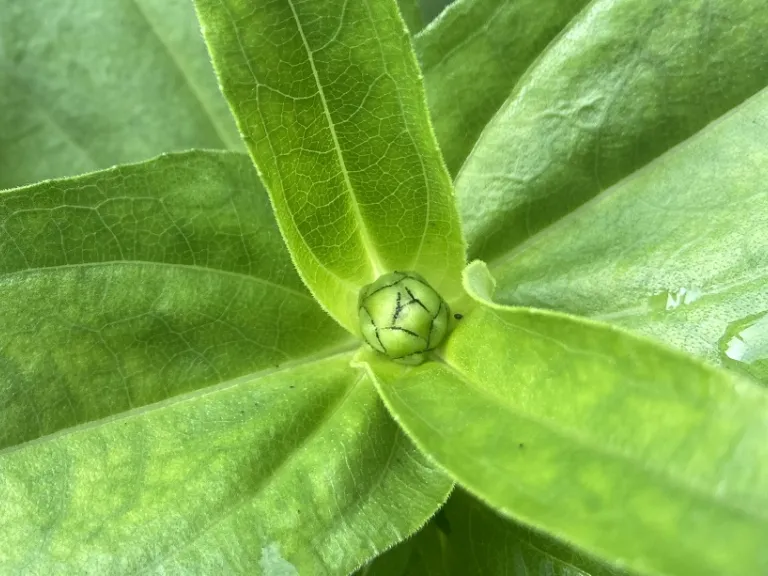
x=86, y=85
x=679, y=251
x=474, y=54
x=625, y=82
x=631, y=452
x=329, y=99
x=139, y=283
x=173, y=400
x=482, y=543
x=300, y=471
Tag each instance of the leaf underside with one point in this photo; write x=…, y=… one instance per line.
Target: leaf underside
x=678, y=252
x=87, y=85
x=623, y=83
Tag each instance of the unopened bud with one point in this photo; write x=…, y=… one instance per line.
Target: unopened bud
x=402, y=316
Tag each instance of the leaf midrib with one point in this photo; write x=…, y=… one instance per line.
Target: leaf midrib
x=421, y=37
x=364, y=234
x=516, y=250
x=427, y=190
x=521, y=79
x=49, y=118
x=194, y=90
x=348, y=348
x=141, y=263
x=268, y=478
x=608, y=452
x=615, y=188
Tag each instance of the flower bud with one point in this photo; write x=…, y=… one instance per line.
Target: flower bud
x=402, y=316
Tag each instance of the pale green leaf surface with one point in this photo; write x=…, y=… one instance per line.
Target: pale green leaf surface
x=329, y=99
x=127, y=286
x=473, y=55
x=480, y=542
x=679, y=251
x=174, y=384
x=629, y=451
x=626, y=81
x=297, y=471
x=88, y=84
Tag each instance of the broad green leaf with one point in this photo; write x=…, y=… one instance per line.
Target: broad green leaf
x=297, y=471
x=473, y=56
x=173, y=399
x=88, y=84
x=626, y=81
x=482, y=543
x=129, y=286
x=631, y=452
x=328, y=96
x=679, y=251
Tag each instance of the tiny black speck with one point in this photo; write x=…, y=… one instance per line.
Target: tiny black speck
x=521, y=445
x=291, y=387
x=458, y=316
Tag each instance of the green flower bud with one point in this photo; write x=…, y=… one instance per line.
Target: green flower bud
x=402, y=316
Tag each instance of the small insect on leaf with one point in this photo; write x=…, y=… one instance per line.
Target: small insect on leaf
x=402, y=316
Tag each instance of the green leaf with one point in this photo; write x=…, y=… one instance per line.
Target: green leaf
x=86, y=85
x=482, y=543
x=631, y=452
x=173, y=399
x=679, y=251
x=139, y=283
x=329, y=99
x=625, y=82
x=300, y=471
x=474, y=55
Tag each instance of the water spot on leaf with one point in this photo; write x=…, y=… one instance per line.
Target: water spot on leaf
x=273, y=564
x=744, y=345
x=672, y=299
